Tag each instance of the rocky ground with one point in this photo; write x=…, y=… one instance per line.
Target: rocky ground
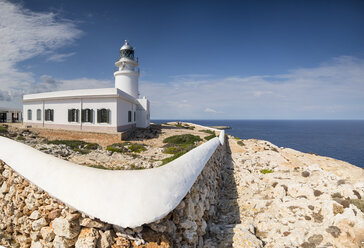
x=270, y=196
x=279, y=197
x=100, y=157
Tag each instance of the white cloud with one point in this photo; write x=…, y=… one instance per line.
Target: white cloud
x=210, y=110
x=60, y=57
x=23, y=35
x=334, y=89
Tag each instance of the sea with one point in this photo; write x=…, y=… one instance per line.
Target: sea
x=340, y=139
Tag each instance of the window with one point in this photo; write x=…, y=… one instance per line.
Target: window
x=134, y=116
x=87, y=115
x=103, y=116
x=49, y=115
x=29, y=114
x=73, y=115
x=129, y=116
x=39, y=114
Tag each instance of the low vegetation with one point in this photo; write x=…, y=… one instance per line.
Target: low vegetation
x=359, y=203
x=210, y=136
x=179, y=145
x=185, y=126
x=3, y=129
x=266, y=171
x=126, y=147
x=241, y=143
x=76, y=145
x=183, y=139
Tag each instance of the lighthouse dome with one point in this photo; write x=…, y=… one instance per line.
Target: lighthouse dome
x=126, y=46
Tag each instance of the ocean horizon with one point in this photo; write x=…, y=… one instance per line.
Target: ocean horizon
x=339, y=139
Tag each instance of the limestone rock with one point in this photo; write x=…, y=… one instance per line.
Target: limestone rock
x=34, y=215
x=88, y=238
x=38, y=224
x=47, y=233
x=106, y=239
x=87, y=222
x=65, y=228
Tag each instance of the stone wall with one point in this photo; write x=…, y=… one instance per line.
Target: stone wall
x=29, y=217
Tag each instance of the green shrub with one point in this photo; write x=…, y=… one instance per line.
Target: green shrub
x=126, y=147
x=82, y=151
x=336, y=195
x=92, y=146
x=137, y=147
x=71, y=143
x=76, y=145
x=237, y=138
x=3, y=129
x=97, y=166
x=207, y=131
x=266, y=171
x=241, y=143
x=20, y=138
x=359, y=203
x=184, y=139
x=176, y=155
x=185, y=126
x=210, y=136
x=117, y=147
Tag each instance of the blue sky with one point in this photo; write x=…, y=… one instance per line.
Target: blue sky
x=198, y=59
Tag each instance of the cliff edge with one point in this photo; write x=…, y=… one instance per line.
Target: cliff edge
x=280, y=197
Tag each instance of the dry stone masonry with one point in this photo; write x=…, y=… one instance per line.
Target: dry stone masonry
x=29, y=217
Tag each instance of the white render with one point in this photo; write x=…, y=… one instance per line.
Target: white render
x=117, y=101
x=128, y=198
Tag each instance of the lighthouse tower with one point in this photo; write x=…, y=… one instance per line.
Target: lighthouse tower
x=127, y=76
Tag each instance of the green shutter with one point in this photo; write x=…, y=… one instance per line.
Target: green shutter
x=108, y=119
x=69, y=115
x=52, y=115
x=77, y=115
x=91, y=115
x=83, y=115
x=98, y=116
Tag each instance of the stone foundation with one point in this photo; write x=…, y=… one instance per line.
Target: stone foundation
x=29, y=217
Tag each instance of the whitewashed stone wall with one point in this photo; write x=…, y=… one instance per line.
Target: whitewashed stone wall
x=29, y=217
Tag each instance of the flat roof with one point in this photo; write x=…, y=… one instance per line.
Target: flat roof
x=84, y=93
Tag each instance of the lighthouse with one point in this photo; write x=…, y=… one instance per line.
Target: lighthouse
x=127, y=75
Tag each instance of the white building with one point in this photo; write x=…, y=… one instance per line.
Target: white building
x=10, y=115
x=100, y=110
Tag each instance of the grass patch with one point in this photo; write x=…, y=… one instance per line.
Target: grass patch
x=176, y=155
x=241, y=143
x=126, y=147
x=207, y=131
x=184, y=139
x=20, y=138
x=179, y=145
x=185, y=126
x=266, y=171
x=359, y=203
x=210, y=136
x=137, y=148
x=97, y=166
x=134, y=167
x=3, y=129
x=92, y=146
x=336, y=195
x=76, y=145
